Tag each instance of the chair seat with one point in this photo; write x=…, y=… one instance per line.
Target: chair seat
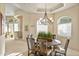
x=60, y=49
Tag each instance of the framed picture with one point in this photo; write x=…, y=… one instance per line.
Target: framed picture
x=26, y=28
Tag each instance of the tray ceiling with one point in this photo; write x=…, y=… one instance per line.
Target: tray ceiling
x=40, y=7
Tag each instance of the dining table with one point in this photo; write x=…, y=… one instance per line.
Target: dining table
x=45, y=48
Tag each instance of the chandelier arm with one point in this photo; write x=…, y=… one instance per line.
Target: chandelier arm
x=49, y=21
x=45, y=19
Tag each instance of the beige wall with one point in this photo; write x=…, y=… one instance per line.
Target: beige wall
x=72, y=12
x=30, y=19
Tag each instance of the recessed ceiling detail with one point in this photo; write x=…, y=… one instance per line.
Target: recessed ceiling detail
x=40, y=7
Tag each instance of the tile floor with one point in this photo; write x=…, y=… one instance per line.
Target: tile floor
x=19, y=48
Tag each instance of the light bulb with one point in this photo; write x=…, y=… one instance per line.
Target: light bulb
x=51, y=18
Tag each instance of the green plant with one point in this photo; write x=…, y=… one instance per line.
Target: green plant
x=45, y=36
x=49, y=35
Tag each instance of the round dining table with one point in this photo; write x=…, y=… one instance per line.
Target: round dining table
x=54, y=43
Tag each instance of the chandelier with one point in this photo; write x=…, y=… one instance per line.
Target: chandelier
x=45, y=20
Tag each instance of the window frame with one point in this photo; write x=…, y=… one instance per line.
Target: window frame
x=65, y=23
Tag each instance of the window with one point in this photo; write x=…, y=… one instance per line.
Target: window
x=41, y=27
x=4, y=28
x=16, y=27
x=64, y=27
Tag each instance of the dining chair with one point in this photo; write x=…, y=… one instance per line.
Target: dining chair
x=30, y=43
x=53, y=36
x=62, y=51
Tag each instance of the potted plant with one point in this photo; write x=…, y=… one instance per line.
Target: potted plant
x=49, y=36
x=45, y=36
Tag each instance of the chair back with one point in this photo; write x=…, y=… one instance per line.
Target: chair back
x=30, y=41
x=66, y=45
x=54, y=36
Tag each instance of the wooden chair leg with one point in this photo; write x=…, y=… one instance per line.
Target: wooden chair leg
x=55, y=53
x=64, y=54
x=28, y=53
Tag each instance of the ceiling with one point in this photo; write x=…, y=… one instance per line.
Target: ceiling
x=40, y=7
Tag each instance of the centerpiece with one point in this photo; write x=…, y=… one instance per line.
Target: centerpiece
x=45, y=36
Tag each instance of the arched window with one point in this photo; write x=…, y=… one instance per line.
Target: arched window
x=64, y=26
x=41, y=27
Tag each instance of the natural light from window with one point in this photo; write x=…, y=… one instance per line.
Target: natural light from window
x=41, y=27
x=64, y=27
